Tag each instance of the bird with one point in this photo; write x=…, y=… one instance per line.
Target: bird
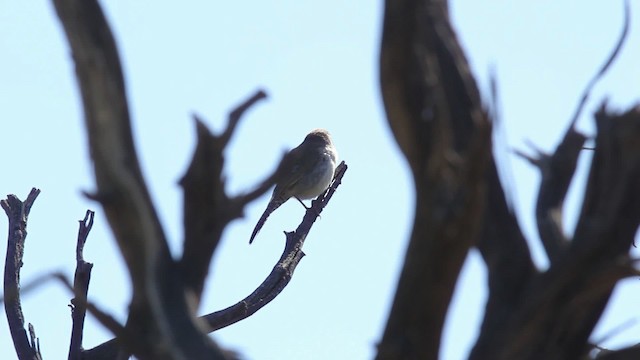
x=306, y=172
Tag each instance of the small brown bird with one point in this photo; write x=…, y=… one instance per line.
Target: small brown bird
x=307, y=172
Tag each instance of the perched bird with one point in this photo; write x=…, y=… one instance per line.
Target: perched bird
x=306, y=172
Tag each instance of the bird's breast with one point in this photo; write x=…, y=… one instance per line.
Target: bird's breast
x=318, y=179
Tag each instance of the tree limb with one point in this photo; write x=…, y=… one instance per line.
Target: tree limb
x=433, y=108
x=121, y=188
x=275, y=282
x=81, y=281
x=160, y=319
x=564, y=303
x=207, y=209
x=555, y=311
x=607, y=64
x=18, y=214
x=284, y=268
x=557, y=172
x=509, y=266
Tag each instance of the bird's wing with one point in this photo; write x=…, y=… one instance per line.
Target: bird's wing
x=299, y=162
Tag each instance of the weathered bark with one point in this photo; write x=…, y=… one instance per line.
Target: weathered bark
x=563, y=304
x=160, y=324
x=433, y=108
x=27, y=348
x=81, y=280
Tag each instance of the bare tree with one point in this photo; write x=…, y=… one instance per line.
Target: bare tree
x=166, y=292
x=434, y=109
x=436, y=115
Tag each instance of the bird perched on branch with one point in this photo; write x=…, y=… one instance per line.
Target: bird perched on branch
x=305, y=173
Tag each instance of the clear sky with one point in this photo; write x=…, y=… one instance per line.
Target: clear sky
x=318, y=62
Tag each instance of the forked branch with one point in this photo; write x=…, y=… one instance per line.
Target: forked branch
x=207, y=209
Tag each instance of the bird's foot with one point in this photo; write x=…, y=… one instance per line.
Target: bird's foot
x=308, y=207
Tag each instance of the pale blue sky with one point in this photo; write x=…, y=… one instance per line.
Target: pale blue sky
x=318, y=62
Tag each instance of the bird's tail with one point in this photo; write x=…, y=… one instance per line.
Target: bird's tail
x=273, y=205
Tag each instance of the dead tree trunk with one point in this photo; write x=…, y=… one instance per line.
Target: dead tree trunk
x=434, y=109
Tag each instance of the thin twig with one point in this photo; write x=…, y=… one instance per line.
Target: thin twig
x=241, y=201
x=236, y=115
x=605, y=66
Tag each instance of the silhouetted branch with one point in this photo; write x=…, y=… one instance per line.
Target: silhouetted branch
x=34, y=340
x=160, y=319
x=81, y=281
x=121, y=188
x=103, y=317
x=240, y=201
x=18, y=214
x=605, y=66
x=268, y=290
x=207, y=209
x=563, y=304
x=509, y=266
x=553, y=313
x=434, y=109
x=284, y=268
x=556, y=171
x=236, y=115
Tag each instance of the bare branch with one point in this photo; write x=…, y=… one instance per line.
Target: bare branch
x=268, y=290
x=207, y=209
x=434, y=109
x=103, y=317
x=236, y=115
x=563, y=305
x=160, y=317
x=533, y=160
x=284, y=268
x=121, y=188
x=107, y=320
x=35, y=341
x=605, y=66
x=508, y=260
x=81, y=281
x=18, y=214
x=556, y=172
x=240, y=201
